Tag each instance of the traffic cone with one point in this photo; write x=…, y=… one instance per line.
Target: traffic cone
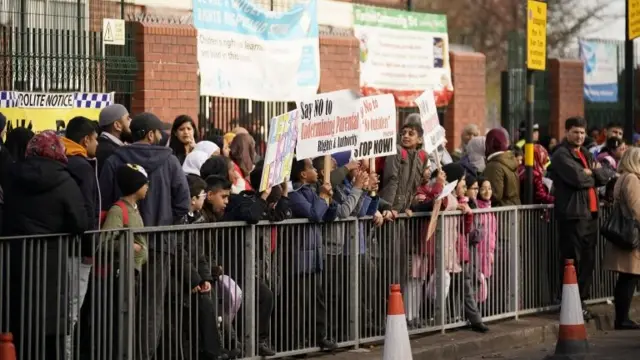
x=7, y=350
x=396, y=336
x=572, y=334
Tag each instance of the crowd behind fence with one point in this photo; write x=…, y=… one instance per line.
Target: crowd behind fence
x=270, y=262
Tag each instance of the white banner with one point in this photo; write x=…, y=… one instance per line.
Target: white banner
x=378, y=135
x=247, y=52
x=434, y=134
x=329, y=124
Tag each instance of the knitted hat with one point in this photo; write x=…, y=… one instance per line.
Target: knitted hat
x=131, y=178
x=454, y=171
x=48, y=145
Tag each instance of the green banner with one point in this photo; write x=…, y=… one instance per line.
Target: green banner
x=398, y=19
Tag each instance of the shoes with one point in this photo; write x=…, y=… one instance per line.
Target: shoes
x=480, y=327
x=327, y=344
x=627, y=325
x=264, y=349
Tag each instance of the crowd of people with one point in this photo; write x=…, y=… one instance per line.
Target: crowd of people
x=123, y=172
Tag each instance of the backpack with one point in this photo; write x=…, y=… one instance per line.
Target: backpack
x=404, y=154
x=125, y=213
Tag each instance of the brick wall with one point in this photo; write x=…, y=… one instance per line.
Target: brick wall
x=5, y=57
x=468, y=71
x=566, y=93
x=167, y=82
x=339, y=63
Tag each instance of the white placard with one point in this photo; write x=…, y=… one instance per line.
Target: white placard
x=448, y=189
x=329, y=124
x=113, y=32
x=378, y=134
x=434, y=134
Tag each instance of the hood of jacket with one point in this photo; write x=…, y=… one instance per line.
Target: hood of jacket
x=507, y=159
x=38, y=174
x=72, y=148
x=151, y=157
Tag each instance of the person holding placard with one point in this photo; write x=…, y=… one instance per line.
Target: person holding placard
x=305, y=288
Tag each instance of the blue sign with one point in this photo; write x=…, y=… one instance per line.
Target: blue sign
x=600, y=61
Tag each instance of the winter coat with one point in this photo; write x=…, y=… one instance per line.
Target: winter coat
x=85, y=173
x=486, y=247
x=107, y=145
x=571, y=184
x=44, y=199
x=627, y=191
x=168, y=198
x=401, y=177
x=351, y=202
x=308, y=247
x=541, y=193
x=501, y=172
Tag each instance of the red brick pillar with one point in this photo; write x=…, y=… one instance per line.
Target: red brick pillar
x=566, y=93
x=339, y=63
x=468, y=106
x=167, y=80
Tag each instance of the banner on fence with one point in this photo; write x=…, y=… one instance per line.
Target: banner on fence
x=434, y=133
x=247, y=52
x=283, y=131
x=378, y=130
x=403, y=53
x=46, y=110
x=600, y=61
x=328, y=124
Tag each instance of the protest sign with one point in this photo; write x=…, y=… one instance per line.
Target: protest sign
x=328, y=124
x=378, y=127
x=434, y=134
x=283, y=131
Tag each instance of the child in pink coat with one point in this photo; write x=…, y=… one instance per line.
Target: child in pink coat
x=486, y=245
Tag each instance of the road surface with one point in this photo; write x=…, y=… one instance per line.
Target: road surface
x=612, y=345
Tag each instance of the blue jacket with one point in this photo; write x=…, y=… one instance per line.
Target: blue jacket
x=365, y=205
x=305, y=203
x=168, y=197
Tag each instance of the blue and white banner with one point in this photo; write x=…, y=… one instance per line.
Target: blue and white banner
x=247, y=52
x=600, y=70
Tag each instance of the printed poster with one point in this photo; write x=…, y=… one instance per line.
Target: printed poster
x=329, y=124
x=434, y=133
x=47, y=110
x=600, y=61
x=403, y=53
x=247, y=52
x=283, y=131
x=378, y=135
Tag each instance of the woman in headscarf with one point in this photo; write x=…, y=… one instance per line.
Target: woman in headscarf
x=208, y=147
x=243, y=153
x=541, y=193
x=473, y=161
x=44, y=199
x=183, y=135
x=501, y=169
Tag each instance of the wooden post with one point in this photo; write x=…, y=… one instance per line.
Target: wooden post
x=328, y=162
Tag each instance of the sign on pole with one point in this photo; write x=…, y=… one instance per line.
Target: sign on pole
x=633, y=17
x=536, y=35
x=283, y=131
x=434, y=134
x=113, y=31
x=378, y=133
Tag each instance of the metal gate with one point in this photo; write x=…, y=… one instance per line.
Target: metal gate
x=56, y=46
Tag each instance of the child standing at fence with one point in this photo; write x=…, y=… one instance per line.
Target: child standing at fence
x=485, y=249
x=133, y=182
x=304, y=255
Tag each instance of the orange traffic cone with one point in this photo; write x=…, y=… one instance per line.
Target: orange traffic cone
x=396, y=337
x=572, y=334
x=7, y=350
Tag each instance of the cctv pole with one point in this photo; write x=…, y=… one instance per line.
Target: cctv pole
x=536, y=61
x=632, y=29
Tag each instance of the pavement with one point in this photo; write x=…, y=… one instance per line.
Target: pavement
x=532, y=336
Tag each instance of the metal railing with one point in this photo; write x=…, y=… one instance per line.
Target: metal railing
x=295, y=283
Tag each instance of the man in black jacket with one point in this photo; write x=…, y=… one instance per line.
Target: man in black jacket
x=576, y=175
x=115, y=125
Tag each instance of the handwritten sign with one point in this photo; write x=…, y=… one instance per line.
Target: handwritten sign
x=328, y=124
x=434, y=134
x=378, y=133
x=283, y=131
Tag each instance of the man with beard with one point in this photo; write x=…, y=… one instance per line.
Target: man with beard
x=114, y=123
x=166, y=203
